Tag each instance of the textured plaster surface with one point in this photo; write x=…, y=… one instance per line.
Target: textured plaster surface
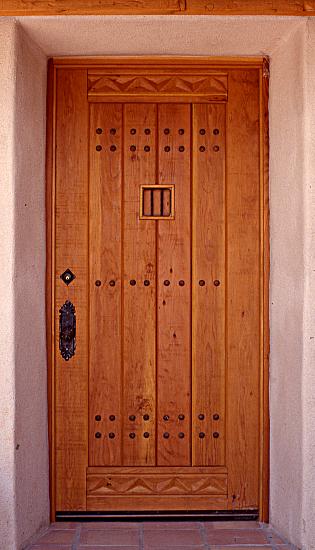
x=7, y=370
x=158, y=35
x=287, y=223
x=32, y=505
x=308, y=376
x=24, y=504
x=290, y=42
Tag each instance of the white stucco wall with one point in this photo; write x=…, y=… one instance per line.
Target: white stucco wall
x=308, y=374
x=7, y=371
x=290, y=42
x=24, y=503
x=287, y=226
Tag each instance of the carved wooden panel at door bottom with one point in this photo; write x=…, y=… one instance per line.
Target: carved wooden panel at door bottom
x=147, y=488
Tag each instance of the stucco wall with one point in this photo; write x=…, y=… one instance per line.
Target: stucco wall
x=290, y=42
x=308, y=375
x=7, y=371
x=287, y=221
x=24, y=450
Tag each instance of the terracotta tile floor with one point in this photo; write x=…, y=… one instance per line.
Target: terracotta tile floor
x=177, y=535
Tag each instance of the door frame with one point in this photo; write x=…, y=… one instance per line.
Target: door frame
x=262, y=64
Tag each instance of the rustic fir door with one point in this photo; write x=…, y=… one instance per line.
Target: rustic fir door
x=158, y=261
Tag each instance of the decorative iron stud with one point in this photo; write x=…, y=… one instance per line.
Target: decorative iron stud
x=98, y=435
x=216, y=282
x=132, y=418
x=216, y=435
x=99, y=130
x=146, y=435
x=201, y=435
x=146, y=417
x=181, y=435
x=181, y=131
x=216, y=416
x=202, y=282
x=202, y=131
x=181, y=417
x=112, y=417
x=166, y=417
x=216, y=148
x=98, y=282
x=166, y=435
x=201, y=416
x=112, y=283
x=111, y=435
x=112, y=131
x=98, y=417
x=133, y=282
x=133, y=131
x=113, y=148
x=98, y=147
x=216, y=131
x=132, y=435
x=181, y=282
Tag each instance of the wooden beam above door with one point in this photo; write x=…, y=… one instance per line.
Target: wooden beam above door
x=157, y=7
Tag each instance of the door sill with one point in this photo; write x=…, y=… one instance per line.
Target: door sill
x=213, y=515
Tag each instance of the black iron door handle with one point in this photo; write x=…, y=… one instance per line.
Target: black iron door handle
x=67, y=330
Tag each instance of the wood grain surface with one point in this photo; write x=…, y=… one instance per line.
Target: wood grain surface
x=177, y=325
x=243, y=283
x=174, y=300
x=71, y=251
x=105, y=215
x=139, y=327
x=209, y=301
x=163, y=7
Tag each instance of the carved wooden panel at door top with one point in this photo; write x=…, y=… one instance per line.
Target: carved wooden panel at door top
x=157, y=407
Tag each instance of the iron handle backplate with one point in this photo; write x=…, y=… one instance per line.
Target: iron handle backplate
x=67, y=330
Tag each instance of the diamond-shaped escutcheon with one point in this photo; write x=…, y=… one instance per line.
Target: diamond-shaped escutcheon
x=67, y=276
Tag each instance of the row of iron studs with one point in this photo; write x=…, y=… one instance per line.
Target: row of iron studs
x=166, y=435
x=146, y=417
x=146, y=282
x=167, y=148
x=166, y=417
x=167, y=131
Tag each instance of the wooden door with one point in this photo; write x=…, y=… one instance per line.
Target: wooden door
x=158, y=256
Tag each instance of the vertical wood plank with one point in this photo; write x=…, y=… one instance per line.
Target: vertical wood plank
x=105, y=299
x=139, y=299
x=174, y=300
x=209, y=286
x=243, y=312
x=72, y=252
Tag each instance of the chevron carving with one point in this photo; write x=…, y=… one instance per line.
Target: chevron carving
x=159, y=484
x=179, y=85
